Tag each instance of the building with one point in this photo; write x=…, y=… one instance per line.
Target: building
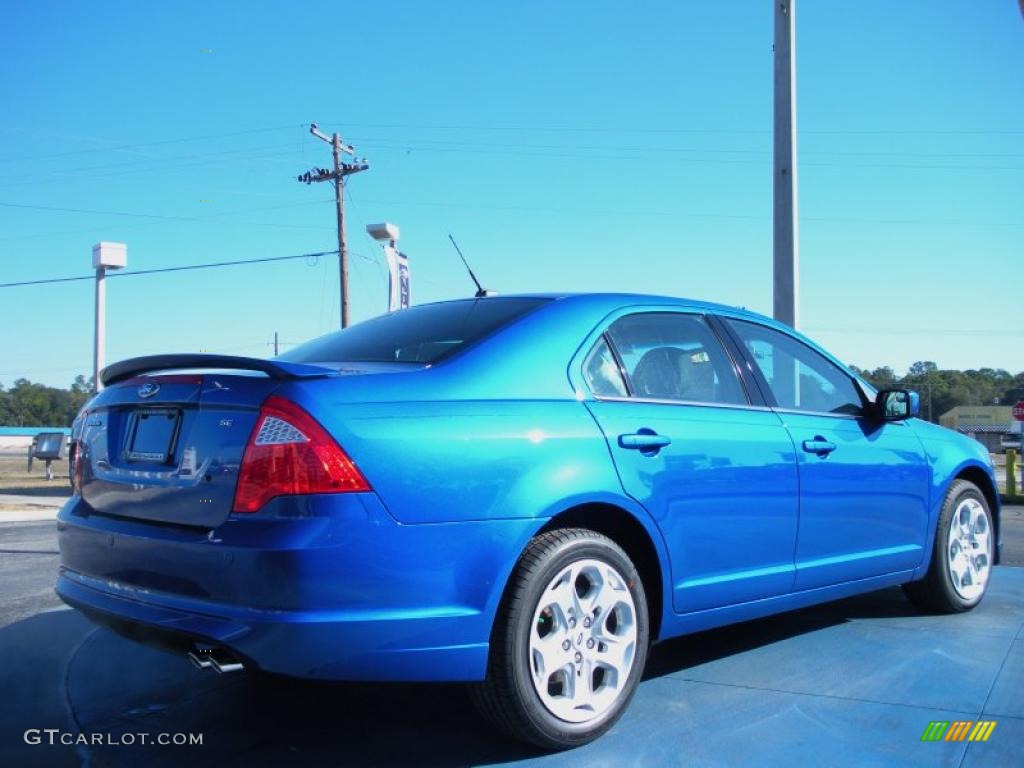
x=988, y=424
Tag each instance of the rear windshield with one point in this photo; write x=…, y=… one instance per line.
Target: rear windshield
x=421, y=334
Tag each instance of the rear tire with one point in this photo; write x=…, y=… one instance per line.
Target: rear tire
x=569, y=643
x=962, y=556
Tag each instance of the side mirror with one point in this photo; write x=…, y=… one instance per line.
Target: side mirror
x=898, y=404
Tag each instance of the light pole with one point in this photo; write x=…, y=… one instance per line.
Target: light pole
x=785, y=258
x=104, y=256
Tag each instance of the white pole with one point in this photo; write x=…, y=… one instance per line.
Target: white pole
x=785, y=241
x=99, y=351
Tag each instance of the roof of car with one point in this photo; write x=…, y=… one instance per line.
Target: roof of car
x=613, y=300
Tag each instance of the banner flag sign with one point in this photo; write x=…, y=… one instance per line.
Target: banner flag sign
x=398, y=279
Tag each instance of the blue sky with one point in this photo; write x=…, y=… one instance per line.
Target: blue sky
x=568, y=146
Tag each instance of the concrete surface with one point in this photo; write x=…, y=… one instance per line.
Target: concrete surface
x=20, y=509
x=850, y=683
x=23, y=500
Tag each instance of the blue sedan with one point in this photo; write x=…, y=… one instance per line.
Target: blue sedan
x=519, y=492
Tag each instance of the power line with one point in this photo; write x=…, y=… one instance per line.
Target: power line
x=613, y=130
x=563, y=151
x=96, y=212
x=53, y=175
x=245, y=155
x=686, y=214
x=212, y=219
x=136, y=145
x=713, y=161
x=315, y=256
x=172, y=161
x=519, y=129
x=401, y=143
x=484, y=206
x=134, y=214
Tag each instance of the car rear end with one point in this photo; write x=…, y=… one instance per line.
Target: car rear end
x=214, y=515
x=349, y=510
x=217, y=509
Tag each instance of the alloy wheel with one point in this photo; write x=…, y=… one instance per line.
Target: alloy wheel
x=969, y=549
x=583, y=641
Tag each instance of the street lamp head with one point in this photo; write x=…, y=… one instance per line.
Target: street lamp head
x=383, y=231
x=109, y=255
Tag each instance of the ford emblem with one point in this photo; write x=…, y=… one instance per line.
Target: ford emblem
x=148, y=389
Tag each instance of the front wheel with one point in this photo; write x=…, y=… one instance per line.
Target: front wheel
x=570, y=641
x=962, y=556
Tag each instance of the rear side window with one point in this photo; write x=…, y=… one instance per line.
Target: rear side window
x=423, y=334
x=674, y=356
x=602, y=372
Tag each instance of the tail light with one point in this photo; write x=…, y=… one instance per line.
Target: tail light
x=289, y=453
x=76, y=463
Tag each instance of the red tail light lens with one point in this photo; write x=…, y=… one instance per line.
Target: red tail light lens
x=290, y=453
x=76, y=460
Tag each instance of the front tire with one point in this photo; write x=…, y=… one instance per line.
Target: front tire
x=962, y=556
x=570, y=641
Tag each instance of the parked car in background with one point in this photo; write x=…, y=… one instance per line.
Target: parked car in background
x=519, y=492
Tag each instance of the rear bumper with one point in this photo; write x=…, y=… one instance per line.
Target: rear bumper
x=322, y=587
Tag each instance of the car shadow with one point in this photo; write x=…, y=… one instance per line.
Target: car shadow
x=681, y=653
x=116, y=687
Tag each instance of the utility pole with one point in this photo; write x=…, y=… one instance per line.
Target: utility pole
x=275, y=343
x=785, y=251
x=341, y=170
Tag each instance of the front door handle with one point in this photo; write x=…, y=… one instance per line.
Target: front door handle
x=645, y=441
x=819, y=445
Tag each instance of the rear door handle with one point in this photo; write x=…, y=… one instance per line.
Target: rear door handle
x=819, y=445
x=644, y=441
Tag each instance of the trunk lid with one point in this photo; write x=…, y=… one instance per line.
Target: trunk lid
x=168, y=448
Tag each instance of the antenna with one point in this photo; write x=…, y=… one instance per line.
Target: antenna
x=481, y=292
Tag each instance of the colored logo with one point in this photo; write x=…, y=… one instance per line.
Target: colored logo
x=148, y=389
x=958, y=730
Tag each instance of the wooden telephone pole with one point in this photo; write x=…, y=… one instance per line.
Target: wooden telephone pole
x=341, y=170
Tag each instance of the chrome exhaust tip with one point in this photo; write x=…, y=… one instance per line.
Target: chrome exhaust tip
x=217, y=659
x=199, y=662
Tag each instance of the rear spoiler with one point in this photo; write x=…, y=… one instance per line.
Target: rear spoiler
x=275, y=369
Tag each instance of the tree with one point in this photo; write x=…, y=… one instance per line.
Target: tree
x=942, y=389
x=882, y=378
x=83, y=386
x=27, y=404
x=6, y=414
x=922, y=368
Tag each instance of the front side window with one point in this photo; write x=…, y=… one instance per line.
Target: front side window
x=674, y=356
x=800, y=378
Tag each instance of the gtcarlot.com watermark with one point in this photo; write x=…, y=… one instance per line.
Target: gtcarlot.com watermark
x=55, y=736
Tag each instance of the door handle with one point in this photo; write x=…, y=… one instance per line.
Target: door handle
x=819, y=445
x=645, y=441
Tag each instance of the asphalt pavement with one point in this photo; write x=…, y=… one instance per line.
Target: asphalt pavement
x=1012, y=519
x=854, y=683
x=28, y=569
